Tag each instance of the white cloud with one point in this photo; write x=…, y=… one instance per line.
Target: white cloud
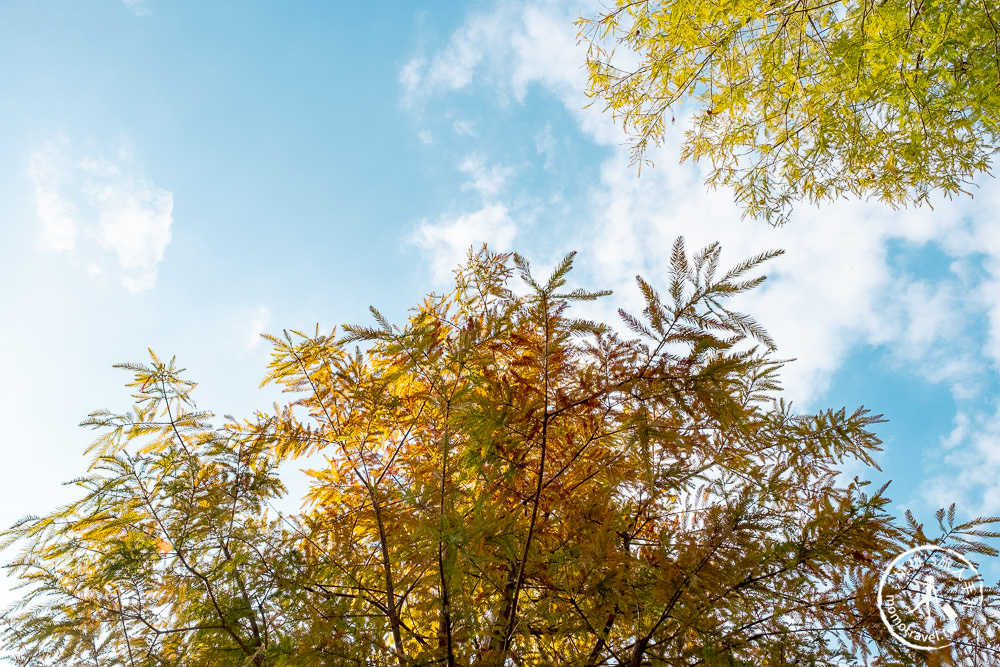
x=425, y=137
x=835, y=289
x=982, y=241
x=545, y=144
x=483, y=48
x=486, y=180
x=455, y=66
x=137, y=7
x=56, y=215
x=447, y=241
x=94, y=204
x=547, y=51
x=968, y=466
x=411, y=75
x=464, y=128
x=512, y=47
x=820, y=299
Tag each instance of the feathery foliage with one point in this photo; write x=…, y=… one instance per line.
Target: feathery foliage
x=504, y=484
x=791, y=101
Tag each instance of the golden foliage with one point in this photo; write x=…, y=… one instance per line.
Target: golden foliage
x=504, y=484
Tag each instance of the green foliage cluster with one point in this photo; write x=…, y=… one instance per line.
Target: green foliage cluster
x=504, y=484
x=797, y=100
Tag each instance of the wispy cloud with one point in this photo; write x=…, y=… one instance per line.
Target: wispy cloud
x=475, y=44
x=137, y=7
x=545, y=144
x=94, y=205
x=411, y=75
x=464, y=128
x=968, y=465
x=56, y=215
x=508, y=49
x=485, y=179
x=447, y=241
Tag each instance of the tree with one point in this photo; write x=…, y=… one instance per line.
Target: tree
x=168, y=557
x=504, y=484
x=795, y=100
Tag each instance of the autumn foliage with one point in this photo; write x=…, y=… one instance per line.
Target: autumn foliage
x=505, y=484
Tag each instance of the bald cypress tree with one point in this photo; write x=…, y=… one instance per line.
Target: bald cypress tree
x=505, y=483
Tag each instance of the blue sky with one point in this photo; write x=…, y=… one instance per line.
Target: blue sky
x=181, y=176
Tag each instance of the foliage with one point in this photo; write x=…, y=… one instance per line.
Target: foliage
x=796, y=100
x=168, y=558
x=504, y=484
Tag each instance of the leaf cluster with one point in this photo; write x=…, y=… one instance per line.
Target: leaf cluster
x=798, y=100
